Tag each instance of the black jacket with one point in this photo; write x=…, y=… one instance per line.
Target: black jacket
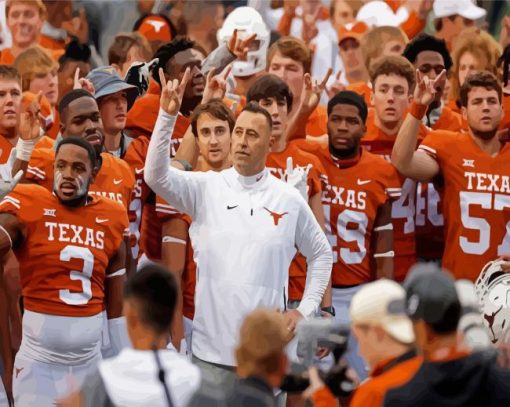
x=472, y=381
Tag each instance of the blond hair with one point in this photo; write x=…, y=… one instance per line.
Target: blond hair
x=123, y=42
x=371, y=43
x=32, y=62
x=482, y=46
x=41, y=8
x=262, y=342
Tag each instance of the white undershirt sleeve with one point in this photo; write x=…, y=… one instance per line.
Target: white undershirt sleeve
x=181, y=189
x=313, y=244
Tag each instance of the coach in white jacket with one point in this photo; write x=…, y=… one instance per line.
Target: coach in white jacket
x=246, y=227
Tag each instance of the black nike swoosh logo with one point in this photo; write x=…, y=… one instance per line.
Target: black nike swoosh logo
x=232, y=207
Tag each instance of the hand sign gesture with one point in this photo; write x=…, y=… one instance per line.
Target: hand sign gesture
x=312, y=91
x=309, y=29
x=298, y=177
x=31, y=120
x=172, y=92
x=216, y=85
x=240, y=46
x=426, y=88
x=83, y=83
x=336, y=86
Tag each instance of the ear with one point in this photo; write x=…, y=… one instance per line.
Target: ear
x=372, y=101
x=464, y=112
x=410, y=98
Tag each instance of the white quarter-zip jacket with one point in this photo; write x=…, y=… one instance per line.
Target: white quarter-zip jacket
x=245, y=233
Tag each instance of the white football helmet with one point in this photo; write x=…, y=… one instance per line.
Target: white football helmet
x=247, y=21
x=493, y=291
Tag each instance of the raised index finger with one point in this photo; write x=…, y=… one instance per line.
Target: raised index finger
x=162, y=78
x=326, y=77
x=226, y=71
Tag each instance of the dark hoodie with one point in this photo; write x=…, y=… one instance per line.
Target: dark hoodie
x=471, y=381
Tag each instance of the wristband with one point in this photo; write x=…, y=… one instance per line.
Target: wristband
x=418, y=111
x=330, y=310
x=24, y=149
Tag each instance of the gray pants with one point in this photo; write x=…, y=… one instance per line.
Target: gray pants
x=218, y=375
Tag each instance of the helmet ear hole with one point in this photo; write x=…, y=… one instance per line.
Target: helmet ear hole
x=494, y=276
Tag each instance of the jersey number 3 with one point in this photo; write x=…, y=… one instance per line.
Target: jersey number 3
x=76, y=252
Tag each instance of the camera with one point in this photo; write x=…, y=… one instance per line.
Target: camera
x=318, y=333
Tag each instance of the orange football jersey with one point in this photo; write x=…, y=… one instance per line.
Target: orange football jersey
x=65, y=252
x=351, y=199
x=317, y=124
x=476, y=201
x=114, y=180
x=45, y=142
x=5, y=149
x=505, y=123
x=276, y=163
x=403, y=210
x=364, y=89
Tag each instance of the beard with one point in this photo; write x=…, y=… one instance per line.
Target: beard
x=484, y=135
x=344, y=153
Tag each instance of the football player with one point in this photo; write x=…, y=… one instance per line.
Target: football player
x=475, y=167
x=72, y=264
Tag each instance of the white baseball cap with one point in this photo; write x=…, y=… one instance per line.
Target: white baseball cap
x=374, y=304
x=465, y=8
x=378, y=13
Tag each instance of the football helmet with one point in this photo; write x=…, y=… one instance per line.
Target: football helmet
x=247, y=21
x=493, y=291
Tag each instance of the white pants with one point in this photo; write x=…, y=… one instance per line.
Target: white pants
x=342, y=301
x=43, y=384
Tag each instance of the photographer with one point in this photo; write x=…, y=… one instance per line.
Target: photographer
x=261, y=365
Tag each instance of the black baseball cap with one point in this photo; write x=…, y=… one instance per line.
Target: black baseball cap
x=431, y=296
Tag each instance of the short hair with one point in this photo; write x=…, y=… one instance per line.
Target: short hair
x=371, y=42
x=396, y=65
x=483, y=79
x=425, y=42
x=449, y=321
x=166, y=52
x=75, y=52
x=480, y=44
x=217, y=109
x=9, y=72
x=41, y=8
x=293, y=48
x=254, y=107
x=154, y=290
x=268, y=86
x=80, y=142
x=262, y=340
x=70, y=97
x=32, y=62
x=123, y=42
x=348, y=97
x=193, y=11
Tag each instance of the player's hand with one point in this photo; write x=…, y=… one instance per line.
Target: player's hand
x=7, y=185
x=505, y=263
x=315, y=382
x=298, y=177
x=138, y=75
x=312, y=91
x=31, y=120
x=172, y=92
x=426, y=89
x=177, y=333
x=240, y=46
x=309, y=28
x=292, y=317
x=336, y=86
x=83, y=83
x=216, y=85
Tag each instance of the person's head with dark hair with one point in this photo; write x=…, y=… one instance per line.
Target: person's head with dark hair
x=175, y=57
x=76, y=56
x=347, y=115
x=212, y=124
x=150, y=297
x=430, y=56
x=126, y=49
x=80, y=116
x=393, y=79
x=504, y=65
x=433, y=305
x=481, y=97
x=251, y=140
x=75, y=168
x=10, y=101
x=274, y=95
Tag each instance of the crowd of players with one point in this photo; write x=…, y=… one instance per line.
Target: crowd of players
x=395, y=139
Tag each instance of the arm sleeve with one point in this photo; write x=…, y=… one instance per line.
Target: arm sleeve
x=313, y=244
x=219, y=58
x=181, y=189
x=434, y=144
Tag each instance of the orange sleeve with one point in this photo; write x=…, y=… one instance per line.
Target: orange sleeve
x=314, y=179
x=413, y=25
x=364, y=396
x=13, y=202
x=38, y=167
x=324, y=398
x=284, y=24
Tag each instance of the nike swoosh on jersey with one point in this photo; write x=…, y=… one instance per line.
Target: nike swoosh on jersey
x=360, y=182
x=138, y=170
x=99, y=220
x=117, y=181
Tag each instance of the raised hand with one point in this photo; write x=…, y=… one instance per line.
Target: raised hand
x=31, y=120
x=298, y=177
x=240, y=46
x=426, y=89
x=216, y=85
x=172, y=92
x=309, y=29
x=313, y=89
x=83, y=83
x=336, y=86
x=7, y=185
